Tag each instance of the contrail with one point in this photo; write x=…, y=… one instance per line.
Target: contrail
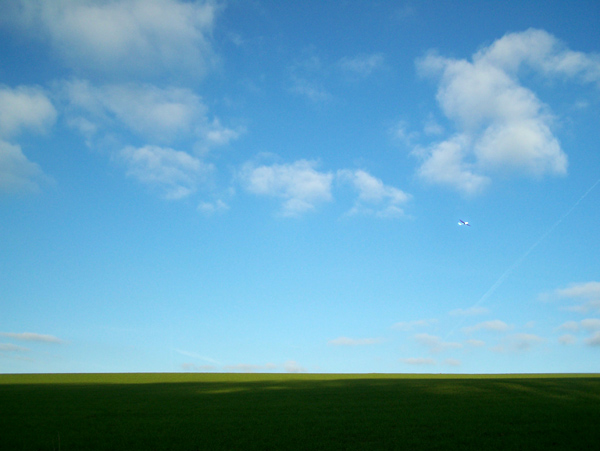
x=518, y=262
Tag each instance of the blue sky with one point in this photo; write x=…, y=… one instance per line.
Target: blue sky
x=276, y=186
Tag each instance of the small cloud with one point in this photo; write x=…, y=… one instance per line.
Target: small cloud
x=361, y=66
x=572, y=326
x=518, y=342
x=177, y=173
x=17, y=173
x=29, y=336
x=594, y=340
x=418, y=361
x=586, y=296
x=300, y=185
x=250, y=368
x=24, y=108
x=590, y=324
x=400, y=132
x=211, y=208
x=452, y=362
x=374, y=197
x=291, y=366
x=491, y=326
x=435, y=343
x=345, y=341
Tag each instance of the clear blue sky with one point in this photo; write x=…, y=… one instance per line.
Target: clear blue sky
x=258, y=185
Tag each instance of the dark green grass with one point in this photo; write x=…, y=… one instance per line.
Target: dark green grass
x=275, y=411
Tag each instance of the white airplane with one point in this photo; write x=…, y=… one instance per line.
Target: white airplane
x=461, y=222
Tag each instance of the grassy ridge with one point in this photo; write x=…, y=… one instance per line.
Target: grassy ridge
x=281, y=411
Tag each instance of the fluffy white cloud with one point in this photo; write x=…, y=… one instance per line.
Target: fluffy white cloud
x=501, y=124
x=492, y=326
x=345, y=341
x=17, y=173
x=24, y=107
x=141, y=37
x=177, y=173
x=161, y=115
x=374, y=197
x=299, y=184
x=435, y=343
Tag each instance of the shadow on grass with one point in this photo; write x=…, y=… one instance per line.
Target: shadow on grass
x=186, y=412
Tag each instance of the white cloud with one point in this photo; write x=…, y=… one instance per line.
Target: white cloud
x=518, y=342
x=177, y=173
x=590, y=324
x=162, y=115
x=586, y=295
x=501, y=124
x=572, y=326
x=491, y=326
x=418, y=361
x=24, y=108
x=299, y=184
x=17, y=173
x=140, y=37
x=345, y=341
x=594, y=340
x=291, y=366
x=30, y=336
x=452, y=362
x=435, y=343
x=210, y=208
x=374, y=197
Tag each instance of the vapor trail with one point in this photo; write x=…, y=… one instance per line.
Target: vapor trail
x=518, y=262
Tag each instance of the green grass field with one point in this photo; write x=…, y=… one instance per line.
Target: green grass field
x=313, y=411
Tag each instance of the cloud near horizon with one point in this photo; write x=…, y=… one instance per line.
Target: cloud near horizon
x=501, y=126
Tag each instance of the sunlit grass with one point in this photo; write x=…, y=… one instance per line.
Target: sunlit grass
x=183, y=411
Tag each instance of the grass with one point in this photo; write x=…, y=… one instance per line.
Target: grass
x=313, y=411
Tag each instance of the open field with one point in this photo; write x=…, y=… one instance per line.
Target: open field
x=312, y=411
